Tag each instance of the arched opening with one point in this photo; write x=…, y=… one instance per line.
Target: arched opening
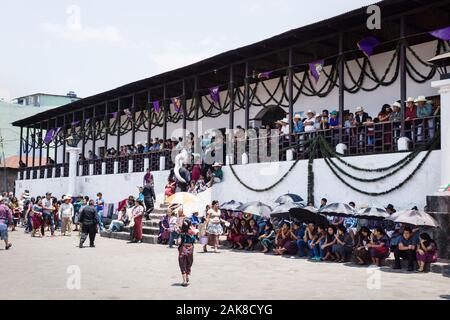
x=268, y=116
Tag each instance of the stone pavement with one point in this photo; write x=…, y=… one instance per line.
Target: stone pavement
x=38, y=269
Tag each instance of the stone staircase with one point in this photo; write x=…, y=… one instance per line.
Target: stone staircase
x=150, y=228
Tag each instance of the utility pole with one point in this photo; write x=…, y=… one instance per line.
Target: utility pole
x=5, y=180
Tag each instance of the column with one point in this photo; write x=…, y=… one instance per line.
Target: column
x=291, y=92
x=149, y=120
x=73, y=159
x=133, y=119
x=402, y=58
x=247, y=97
x=341, y=60
x=165, y=110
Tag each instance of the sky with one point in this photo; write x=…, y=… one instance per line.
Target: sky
x=94, y=46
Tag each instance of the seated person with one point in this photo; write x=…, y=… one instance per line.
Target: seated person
x=378, y=246
x=251, y=237
x=235, y=237
x=306, y=245
x=406, y=249
x=200, y=185
x=266, y=239
x=119, y=224
x=327, y=244
x=284, y=243
x=361, y=251
x=320, y=240
x=426, y=251
x=344, y=244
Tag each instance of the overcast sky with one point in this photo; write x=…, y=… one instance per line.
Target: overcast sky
x=93, y=46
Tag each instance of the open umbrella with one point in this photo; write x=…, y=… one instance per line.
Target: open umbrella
x=183, y=198
x=415, y=218
x=231, y=205
x=256, y=208
x=338, y=210
x=288, y=198
x=372, y=213
x=307, y=215
x=282, y=211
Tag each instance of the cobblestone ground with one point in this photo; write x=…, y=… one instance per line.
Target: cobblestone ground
x=47, y=268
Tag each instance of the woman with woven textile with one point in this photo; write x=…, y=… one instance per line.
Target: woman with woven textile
x=186, y=250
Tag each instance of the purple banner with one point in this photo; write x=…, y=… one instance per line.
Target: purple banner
x=76, y=123
x=214, y=94
x=49, y=136
x=176, y=104
x=156, y=106
x=315, y=68
x=86, y=122
x=368, y=44
x=443, y=34
x=115, y=114
x=265, y=75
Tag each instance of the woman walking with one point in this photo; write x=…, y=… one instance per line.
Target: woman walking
x=186, y=250
x=213, y=227
x=137, y=214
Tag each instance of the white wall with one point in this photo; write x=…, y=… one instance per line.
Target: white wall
x=259, y=176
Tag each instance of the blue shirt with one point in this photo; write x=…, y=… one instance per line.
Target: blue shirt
x=298, y=127
x=333, y=122
x=100, y=207
x=425, y=111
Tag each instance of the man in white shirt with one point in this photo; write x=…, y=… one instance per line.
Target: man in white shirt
x=66, y=212
x=308, y=123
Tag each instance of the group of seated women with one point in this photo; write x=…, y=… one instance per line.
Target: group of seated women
x=334, y=243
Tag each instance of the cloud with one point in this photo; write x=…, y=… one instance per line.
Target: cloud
x=107, y=34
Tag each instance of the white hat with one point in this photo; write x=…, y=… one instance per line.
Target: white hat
x=318, y=115
x=421, y=99
x=67, y=198
x=139, y=143
x=397, y=104
x=284, y=121
x=410, y=99
x=309, y=111
x=216, y=164
x=359, y=109
x=297, y=116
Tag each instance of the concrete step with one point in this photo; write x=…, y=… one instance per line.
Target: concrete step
x=125, y=236
x=151, y=223
x=159, y=211
x=145, y=230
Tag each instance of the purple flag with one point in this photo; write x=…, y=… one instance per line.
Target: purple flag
x=265, y=75
x=115, y=114
x=86, y=122
x=315, y=68
x=128, y=113
x=368, y=44
x=443, y=34
x=75, y=123
x=214, y=94
x=176, y=104
x=49, y=136
x=156, y=106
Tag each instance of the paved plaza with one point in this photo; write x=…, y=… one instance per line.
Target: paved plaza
x=42, y=269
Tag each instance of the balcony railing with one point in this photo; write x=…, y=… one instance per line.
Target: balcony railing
x=359, y=140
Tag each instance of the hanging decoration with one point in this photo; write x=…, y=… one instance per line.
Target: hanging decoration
x=87, y=121
x=265, y=75
x=368, y=44
x=316, y=68
x=176, y=104
x=156, y=106
x=443, y=34
x=76, y=123
x=128, y=113
x=214, y=94
x=115, y=114
x=49, y=136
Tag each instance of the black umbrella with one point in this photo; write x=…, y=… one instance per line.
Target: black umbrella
x=307, y=215
x=338, y=210
x=231, y=205
x=282, y=211
x=372, y=213
x=288, y=198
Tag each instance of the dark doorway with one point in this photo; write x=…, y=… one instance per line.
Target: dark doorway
x=269, y=115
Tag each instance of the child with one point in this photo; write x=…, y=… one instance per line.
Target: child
x=266, y=239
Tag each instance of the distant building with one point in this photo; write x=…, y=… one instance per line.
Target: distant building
x=46, y=100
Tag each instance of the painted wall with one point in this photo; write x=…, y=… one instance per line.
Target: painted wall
x=425, y=182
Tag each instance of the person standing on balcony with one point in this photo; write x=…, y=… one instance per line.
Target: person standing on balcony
x=89, y=220
x=395, y=117
x=298, y=124
x=309, y=121
x=424, y=110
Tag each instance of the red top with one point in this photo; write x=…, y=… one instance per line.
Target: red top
x=411, y=113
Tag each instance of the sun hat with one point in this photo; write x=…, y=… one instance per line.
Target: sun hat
x=421, y=99
x=397, y=104
x=217, y=164
x=359, y=109
x=297, y=116
x=318, y=115
x=67, y=198
x=410, y=99
x=310, y=111
x=334, y=113
x=283, y=121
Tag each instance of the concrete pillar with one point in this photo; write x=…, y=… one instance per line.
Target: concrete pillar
x=130, y=166
x=73, y=162
x=116, y=167
x=341, y=148
x=103, y=168
x=162, y=163
x=146, y=164
x=444, y=91
x=229, y=160
x=403, y=144
x=54, y=172
x=45, y=173
x=244, y=158
x=91, y=169
x=289, y=155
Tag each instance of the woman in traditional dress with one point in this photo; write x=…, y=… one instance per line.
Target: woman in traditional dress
x=164, y=231
x=214, y=227
x=266, y=239
x=36, y=217
x=426, y=251
x=170, y=187
x=186, y=250
x=137, y=214
x=379, y=246
x=361, y=250
x=14, y=206
x=251, y=236
x=235, y=237
x=284, y=241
